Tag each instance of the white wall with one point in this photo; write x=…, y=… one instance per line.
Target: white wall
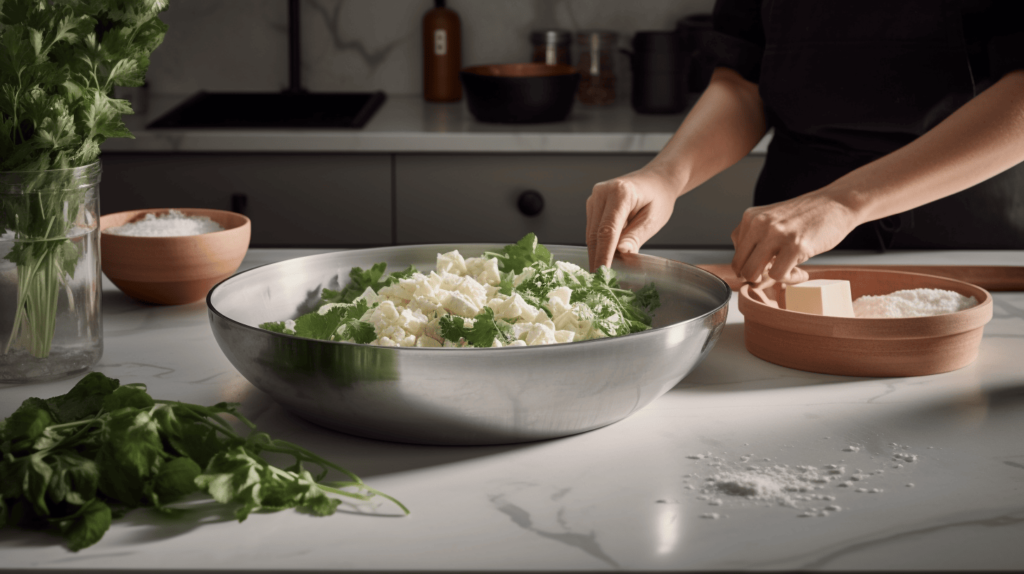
x=361, y=45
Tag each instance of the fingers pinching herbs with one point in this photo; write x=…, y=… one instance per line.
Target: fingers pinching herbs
x=608, y=210
x=613, y=219
x=623, y=213
x=588, y=240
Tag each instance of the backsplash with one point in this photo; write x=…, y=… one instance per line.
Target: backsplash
x=363, y=45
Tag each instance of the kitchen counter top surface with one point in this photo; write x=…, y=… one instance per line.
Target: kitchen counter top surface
x=407, y=124
x=625, y=497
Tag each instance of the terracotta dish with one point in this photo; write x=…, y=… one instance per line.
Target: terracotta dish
x=173, y=270
x=991, y=277
x=903, y=347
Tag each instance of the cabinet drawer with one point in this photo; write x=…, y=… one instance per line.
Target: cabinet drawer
x=292, y=200
x=473, y=198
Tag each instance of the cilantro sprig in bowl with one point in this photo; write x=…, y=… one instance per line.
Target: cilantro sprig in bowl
x=463, y=395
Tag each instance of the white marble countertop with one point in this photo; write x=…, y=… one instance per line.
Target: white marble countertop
x=617, y=497
x=407, y=124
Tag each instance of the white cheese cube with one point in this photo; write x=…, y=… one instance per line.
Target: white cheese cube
x=425, y=341
x=489, y=274
x=564, y=336
x=829, y=297
x=451, y=262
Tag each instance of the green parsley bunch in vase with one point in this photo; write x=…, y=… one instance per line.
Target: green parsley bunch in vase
x=59, y=62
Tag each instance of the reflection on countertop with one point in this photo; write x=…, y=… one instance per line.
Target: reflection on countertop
x=627, y=496
x=407, y=124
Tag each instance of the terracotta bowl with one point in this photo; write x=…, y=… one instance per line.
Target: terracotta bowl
x=173, y=270
x=895, y=347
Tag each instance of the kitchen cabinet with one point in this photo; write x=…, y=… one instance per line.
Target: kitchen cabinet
x=346, y=200
x=493, y=198
x=329, y=200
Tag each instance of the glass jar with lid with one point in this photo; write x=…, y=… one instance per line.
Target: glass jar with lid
x=551, y=47
x=596, y=63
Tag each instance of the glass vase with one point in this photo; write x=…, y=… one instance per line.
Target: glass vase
x=50, y=283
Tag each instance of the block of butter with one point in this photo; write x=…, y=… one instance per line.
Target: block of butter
x=829, y=297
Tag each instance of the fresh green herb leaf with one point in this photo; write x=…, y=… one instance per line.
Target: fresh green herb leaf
x=75, y=479
x=59, y=62
x=484, y=331
x=320, y=326
x=85, y=399
x=360, y=332
x=87, y=526
x=127, y=450
x=28, y=422
x=372, y=278
x=176, y=478
x=127, y=396
x=522, y=254
x=274, y=326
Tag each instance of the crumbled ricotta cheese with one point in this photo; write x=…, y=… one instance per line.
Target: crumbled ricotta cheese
x=409, y=311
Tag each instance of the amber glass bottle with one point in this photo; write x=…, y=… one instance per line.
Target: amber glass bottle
x=442, y=54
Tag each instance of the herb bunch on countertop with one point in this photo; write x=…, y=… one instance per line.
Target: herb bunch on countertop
x=59, y=62
x=76, y=461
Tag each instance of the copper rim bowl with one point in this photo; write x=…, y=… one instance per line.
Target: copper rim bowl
x=462, y=396
x=520, y=93
x=889, y=347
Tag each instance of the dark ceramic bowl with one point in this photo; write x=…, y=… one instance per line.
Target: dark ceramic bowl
x=520, y=93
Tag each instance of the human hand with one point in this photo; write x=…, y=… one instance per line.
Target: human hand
x=623, y=213
x=772, y=240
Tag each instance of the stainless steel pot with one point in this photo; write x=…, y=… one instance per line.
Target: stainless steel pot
x=462, y=396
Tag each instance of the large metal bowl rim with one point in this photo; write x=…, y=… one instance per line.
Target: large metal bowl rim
x=486, y=246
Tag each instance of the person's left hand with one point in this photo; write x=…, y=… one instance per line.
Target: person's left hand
x=772, y=240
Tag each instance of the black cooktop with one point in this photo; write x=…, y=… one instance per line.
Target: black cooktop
x=281, y=110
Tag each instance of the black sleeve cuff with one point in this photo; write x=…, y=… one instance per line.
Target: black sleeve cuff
x=737, y=54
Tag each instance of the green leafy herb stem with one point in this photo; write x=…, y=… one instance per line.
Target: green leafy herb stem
x=76, y=461
x=59, y=61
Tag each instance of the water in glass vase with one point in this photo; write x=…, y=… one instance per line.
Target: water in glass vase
x=50, y=282
x=77, y=341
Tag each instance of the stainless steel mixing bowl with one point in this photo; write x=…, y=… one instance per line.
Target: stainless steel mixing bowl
x=462, y=396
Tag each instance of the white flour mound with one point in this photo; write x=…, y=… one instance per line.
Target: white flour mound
x=172, y=224
x=911, y=303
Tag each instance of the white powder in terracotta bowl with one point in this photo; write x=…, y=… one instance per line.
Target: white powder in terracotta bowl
x=911, y=303
x=172, y=224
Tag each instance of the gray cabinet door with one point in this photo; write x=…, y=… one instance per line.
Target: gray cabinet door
x=292, y=200
x=473, y=198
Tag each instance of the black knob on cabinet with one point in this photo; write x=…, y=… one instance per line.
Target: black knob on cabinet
x=530, y=203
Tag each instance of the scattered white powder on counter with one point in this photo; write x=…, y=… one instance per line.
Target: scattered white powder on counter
x=733, y=480
x=911, y=303
x=172, y=224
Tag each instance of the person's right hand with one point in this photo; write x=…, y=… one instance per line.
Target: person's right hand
x=623, y=213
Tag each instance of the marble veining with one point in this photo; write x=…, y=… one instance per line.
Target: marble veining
x=364, y=45
x=585, y=542
x=887, y=538
x=625, y=497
